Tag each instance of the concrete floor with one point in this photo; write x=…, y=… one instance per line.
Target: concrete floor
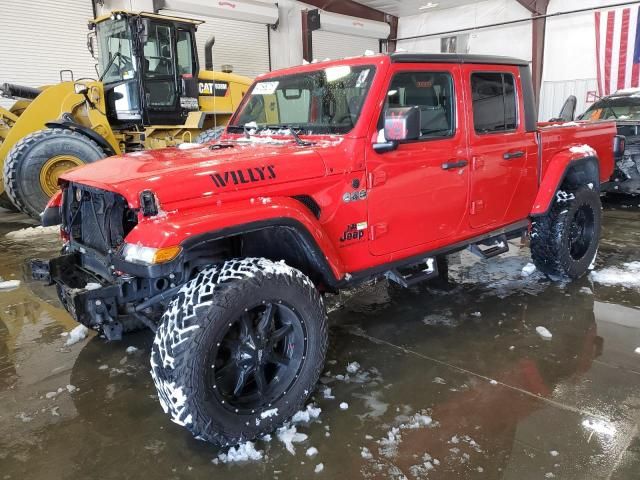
x=503, y=402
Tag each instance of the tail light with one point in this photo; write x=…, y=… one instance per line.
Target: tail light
x=619, y=146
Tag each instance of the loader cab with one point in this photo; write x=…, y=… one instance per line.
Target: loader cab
x=149, y=66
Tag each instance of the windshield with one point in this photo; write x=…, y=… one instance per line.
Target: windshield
x=326, y=101
x=114, y=43
x=621, y=108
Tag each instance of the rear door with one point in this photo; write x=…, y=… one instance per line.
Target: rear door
x=503, y=155
x=418, y=193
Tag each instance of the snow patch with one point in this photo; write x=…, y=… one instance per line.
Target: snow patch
x=305, y=416
x=554, y=453
x=326, y=393
x=543, y=332
x=353, y=367
x=269, y=413
x=344, y=405
x=32, y=232
x=241, y=453
x=76, y=335
x=528, y=269
x=628, y=276
x=637, y=350
x=289, y=435
x=319, y=468
x=92, y=286
x=9, y=284
x=131, y=349
x=365, y=453
x=585, y=150
x=312, y=451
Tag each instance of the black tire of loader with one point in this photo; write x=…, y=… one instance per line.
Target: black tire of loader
x=25, y=160
x=550, y=249
x=210, y=135
x=191, y=327
x=6, y=203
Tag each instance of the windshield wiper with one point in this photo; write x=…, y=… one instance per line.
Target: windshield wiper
x=294, y=134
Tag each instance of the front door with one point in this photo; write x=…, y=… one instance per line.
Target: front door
x=418, y=193
x=503, y=155
x=159, y=79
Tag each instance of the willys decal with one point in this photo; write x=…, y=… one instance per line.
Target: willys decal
x=245, y=175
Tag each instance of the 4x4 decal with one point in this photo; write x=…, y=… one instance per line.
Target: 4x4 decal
x=246, y=175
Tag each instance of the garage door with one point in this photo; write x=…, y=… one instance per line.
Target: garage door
x=241, y=44
x=38, y=39
x=336, y=45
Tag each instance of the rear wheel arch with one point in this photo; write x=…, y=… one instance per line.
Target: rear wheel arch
x=583, y=171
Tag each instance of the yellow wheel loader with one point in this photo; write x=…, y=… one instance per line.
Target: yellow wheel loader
x=150, y=94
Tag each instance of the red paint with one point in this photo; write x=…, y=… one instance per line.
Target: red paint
x=624, y=41
x=410, y=205
x=608, y=52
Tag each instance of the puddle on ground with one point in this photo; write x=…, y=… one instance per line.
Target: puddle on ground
x=452, y=381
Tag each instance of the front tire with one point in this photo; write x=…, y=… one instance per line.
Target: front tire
x=239, y=350
x=33, y=165
x=564, y=241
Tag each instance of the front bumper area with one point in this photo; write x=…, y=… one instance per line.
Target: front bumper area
x=110, y=306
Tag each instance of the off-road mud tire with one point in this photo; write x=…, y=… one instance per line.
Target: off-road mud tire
x=194, y=322
x=210, y=135
x=25, y=160
x=550, y=234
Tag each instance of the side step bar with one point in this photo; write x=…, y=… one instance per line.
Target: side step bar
x=410, y=275
x=497, y=246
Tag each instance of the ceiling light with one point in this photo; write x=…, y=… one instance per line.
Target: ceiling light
x=428, y=5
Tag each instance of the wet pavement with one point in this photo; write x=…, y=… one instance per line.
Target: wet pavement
x=451, y=381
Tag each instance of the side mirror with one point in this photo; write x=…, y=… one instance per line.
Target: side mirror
x=400, y=125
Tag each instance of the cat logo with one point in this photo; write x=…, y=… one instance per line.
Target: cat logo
x=213, y=89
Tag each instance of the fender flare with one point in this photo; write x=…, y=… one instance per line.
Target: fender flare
x=67, y=124
x=207, y=225
x=557, y=172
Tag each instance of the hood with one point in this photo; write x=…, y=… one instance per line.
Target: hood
x=195, y=171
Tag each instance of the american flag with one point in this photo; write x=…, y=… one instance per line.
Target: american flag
x=618, y=49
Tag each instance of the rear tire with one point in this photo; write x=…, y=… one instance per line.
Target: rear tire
x=564, y=241
x=33, y=165
x=239, y=350
x=210, y=135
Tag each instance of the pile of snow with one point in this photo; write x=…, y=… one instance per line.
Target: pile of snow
x=131, y=349
x=344, y=406
x=637, y=350
x=305, y=416
x=269, y=413
x=365, y=453
x=77, y=334
x=528, y=269
x=312, y=451
x=585, y=150
x=319, y=468
x=326, y=393
x=628, y=276
x=9, y=284
x=31, y=232
x=289, y=435
x=241, y=453
x=544, y=333
x=353, y=367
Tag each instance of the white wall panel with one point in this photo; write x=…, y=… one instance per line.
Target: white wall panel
x=38, y=39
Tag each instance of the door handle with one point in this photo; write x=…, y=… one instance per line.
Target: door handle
x=454, y=164
x=512, y=155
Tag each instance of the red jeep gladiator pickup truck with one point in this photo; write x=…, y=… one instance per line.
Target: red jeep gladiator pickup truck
x=328, y=174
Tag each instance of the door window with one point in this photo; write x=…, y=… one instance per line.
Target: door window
x=159, y=68
x=184, y=53
x=494, y=102
x=433, y=93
